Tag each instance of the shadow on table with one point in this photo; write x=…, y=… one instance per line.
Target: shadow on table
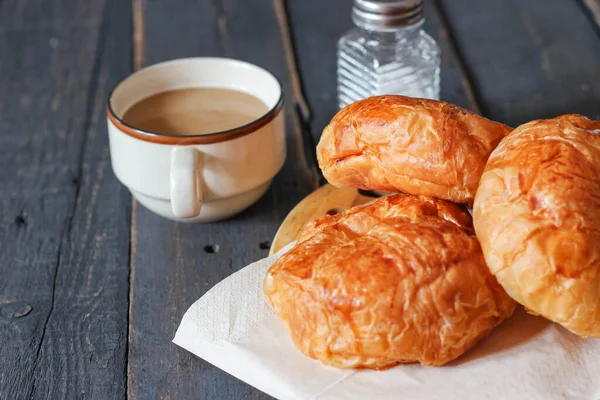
x=517, y=330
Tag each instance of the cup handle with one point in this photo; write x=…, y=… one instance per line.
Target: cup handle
x=186, y=188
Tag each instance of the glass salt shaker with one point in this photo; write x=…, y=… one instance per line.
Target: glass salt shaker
x=387, y=52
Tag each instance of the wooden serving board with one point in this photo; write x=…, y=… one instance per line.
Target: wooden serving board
x=325, y=200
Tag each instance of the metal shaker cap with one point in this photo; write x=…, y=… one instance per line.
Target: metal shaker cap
x=386, y=15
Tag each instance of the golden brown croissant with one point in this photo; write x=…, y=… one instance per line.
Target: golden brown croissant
x=537, y=216
x=417, y=146
x=400, y=280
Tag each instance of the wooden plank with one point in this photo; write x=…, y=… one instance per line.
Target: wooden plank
x=456, y=85
x=176, y=263
x=316, y=34
x=64, y=235
x=529, y=61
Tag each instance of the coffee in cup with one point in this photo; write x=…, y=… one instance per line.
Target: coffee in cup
x=195, y=111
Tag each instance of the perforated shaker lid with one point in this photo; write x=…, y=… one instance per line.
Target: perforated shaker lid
x=386, y=14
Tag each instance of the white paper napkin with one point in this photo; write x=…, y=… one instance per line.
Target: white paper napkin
x=233, y=327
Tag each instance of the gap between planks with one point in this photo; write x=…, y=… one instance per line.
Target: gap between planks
x=450, y=46
x=592, y=9
x=138, y=41
x=301, y=110
x=222, y=26
x=290, y=57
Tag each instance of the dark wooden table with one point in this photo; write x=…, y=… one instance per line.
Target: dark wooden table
x=92, y=285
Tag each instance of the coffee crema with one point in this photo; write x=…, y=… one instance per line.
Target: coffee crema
x=194, y=111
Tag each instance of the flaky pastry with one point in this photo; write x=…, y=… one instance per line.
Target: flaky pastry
x=398, y=281
x=537, y=216
x=417, y=146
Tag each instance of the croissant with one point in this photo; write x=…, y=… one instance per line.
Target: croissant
x=417, y=146
x=537, y=216
x=398, y=281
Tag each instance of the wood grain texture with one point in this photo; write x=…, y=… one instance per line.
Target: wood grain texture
x=316, y=33
x=64, y=231
x=176, y=263
x=529, y=61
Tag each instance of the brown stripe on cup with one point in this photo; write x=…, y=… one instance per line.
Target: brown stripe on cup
x=216, y=137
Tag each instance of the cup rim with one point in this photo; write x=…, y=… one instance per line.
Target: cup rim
x=215, y=137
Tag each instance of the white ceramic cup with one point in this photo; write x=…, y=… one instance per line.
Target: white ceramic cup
x=198, y=178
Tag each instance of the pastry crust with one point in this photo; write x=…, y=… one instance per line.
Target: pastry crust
x=537, y=216
x=400, y=280
x=416, y=146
